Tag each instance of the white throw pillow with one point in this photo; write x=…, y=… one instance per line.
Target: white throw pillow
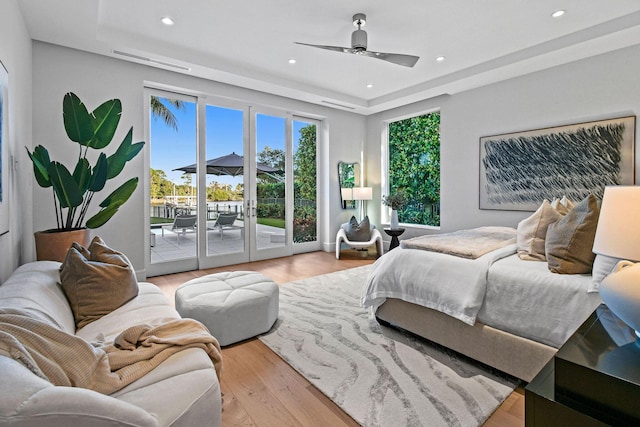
x=532, y=232
x=602, y=266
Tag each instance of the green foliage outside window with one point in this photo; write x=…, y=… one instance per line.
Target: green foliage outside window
x=414, y=167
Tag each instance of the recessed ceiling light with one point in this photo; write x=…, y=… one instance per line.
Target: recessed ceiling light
x=440, y=58
x=369, y=85
x=292, y=61
x=167, y=20
x=558, y=13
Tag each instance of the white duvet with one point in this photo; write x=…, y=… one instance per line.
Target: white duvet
x=453, y=285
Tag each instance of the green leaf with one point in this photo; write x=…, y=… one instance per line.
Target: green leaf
x=99, y=176
x=66, y=188
x=112, y=203
x=82, y=174
x=77, y=121
x=120, y=194
x=41, y=161
x=102, y=217
x=105, y=121
x=125, y=152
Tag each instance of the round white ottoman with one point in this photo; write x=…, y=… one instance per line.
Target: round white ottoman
x=234, y=305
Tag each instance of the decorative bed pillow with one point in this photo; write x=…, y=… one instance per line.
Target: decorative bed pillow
x=602, y=266
x=570, y=240
x=532, y=232
x=96, y=281
x=563, y=205
x=358, y=232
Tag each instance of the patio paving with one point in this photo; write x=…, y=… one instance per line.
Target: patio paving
x=169, y=246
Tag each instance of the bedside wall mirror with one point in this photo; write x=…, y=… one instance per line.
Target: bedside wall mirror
x=348, y=177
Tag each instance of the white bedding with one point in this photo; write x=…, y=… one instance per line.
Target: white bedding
x=453, y=285
x=526, y=299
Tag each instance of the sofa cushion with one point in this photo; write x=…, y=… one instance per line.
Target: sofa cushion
x=98, y=285
x=44, y=293
x=569, y=241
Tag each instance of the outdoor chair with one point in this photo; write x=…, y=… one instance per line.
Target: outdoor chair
x=182, y=224
x=225, y=221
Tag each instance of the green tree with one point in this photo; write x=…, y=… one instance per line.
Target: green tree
x=414, y=166
x=158, y=178
x=160, y=110
x=273, y=157
x=304, y=169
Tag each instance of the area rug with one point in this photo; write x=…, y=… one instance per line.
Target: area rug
x=378, y=375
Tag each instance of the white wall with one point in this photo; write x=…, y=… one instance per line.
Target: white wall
x=601, y=87
x=15, y=54
x=96, y=78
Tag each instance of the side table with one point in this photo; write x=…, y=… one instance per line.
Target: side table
x=394, y=233
x=593, y=380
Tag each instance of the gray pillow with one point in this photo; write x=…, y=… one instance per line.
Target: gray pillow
x=358, y=232
x=569, y=241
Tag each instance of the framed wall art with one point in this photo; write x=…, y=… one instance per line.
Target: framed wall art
x=518, y=170
x=4, y=151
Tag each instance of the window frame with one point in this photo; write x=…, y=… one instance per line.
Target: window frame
x=385, y=211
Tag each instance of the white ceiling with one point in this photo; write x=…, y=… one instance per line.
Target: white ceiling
x=249, y=43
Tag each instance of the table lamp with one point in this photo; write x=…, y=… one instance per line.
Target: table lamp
x=618, y=236
x=362, y=194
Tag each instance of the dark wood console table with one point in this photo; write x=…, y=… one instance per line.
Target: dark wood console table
x=593, y=380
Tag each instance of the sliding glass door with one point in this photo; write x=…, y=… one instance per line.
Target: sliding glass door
x=228, y=183
x=173, y=206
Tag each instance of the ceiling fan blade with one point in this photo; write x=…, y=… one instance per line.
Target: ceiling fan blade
x=396, y=58
x=334, y=48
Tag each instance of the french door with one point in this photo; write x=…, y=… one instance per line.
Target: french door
x=262, y=184
x=228, y=168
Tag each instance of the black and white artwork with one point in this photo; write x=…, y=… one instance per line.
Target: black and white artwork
x=4, y=150
x=519, y=170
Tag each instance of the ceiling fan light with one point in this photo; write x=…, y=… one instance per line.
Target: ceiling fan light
x=167, y=20
x=359, y=40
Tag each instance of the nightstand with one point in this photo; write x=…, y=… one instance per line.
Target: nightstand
x=394, y=233
x=593, y=380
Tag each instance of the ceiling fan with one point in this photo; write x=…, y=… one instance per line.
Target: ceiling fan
x=359, y=46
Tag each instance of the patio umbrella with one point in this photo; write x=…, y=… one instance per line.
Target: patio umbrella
x=231, y=164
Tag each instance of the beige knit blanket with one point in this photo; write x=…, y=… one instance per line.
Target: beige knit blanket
x=470, y=244
x=36, y=341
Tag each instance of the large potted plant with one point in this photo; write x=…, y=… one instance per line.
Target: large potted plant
x=73, y=191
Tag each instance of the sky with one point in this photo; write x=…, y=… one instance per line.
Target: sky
x=171, y=149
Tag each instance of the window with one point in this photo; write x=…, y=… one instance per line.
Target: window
x=414, y=167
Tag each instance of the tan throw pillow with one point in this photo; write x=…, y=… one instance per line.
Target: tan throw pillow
x=560, y=207
x=570, y=240
x=97, y=285
x=532, y=232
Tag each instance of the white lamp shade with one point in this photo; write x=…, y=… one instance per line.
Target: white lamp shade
x=362, y=193
x=347, y=193
x=618, y=232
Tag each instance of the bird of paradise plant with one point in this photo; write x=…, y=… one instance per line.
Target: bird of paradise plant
x=73, y=192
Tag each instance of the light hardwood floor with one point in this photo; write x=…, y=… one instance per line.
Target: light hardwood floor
x=260, y=389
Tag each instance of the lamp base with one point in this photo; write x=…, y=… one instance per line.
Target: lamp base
x=620, y=291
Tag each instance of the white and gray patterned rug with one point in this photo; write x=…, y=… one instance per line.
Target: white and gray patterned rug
x=379, y=376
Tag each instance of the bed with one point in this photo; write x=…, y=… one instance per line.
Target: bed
x=492, y=306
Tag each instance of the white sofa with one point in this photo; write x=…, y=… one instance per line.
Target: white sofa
x=182, y=391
